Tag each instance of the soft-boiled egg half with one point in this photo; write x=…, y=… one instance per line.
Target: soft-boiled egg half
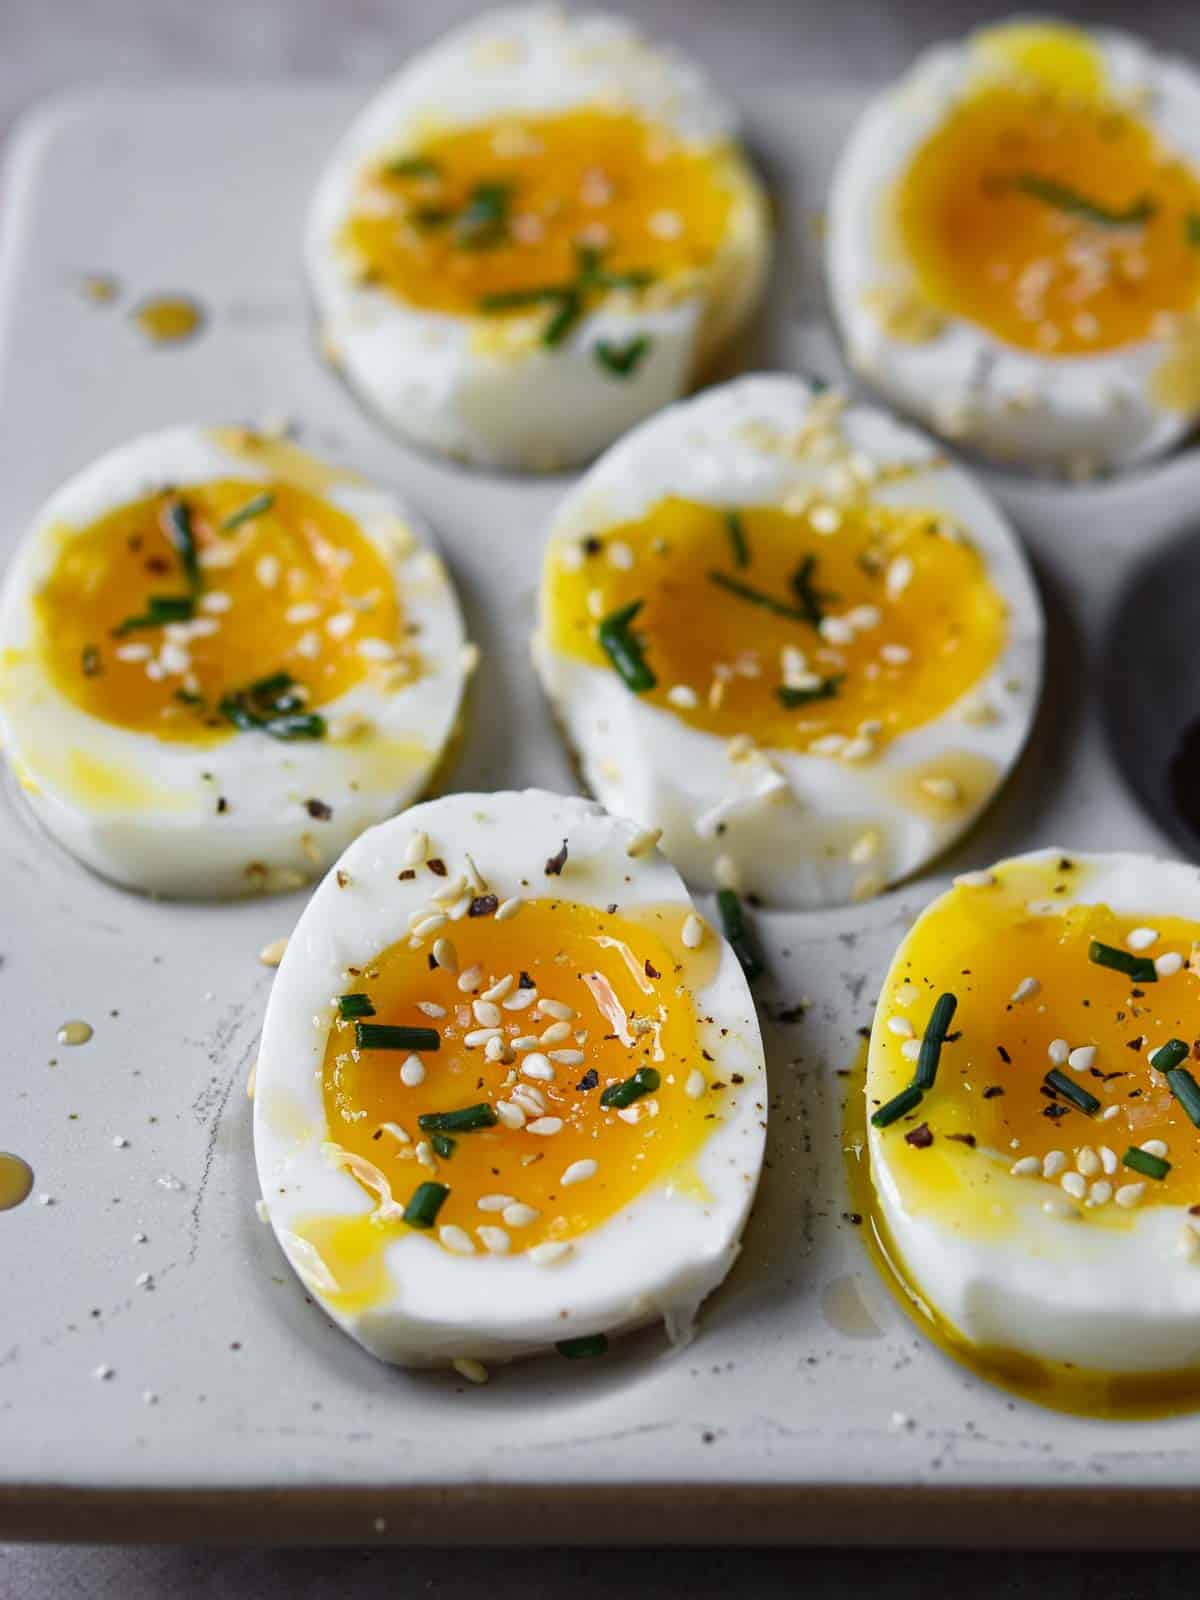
x=1014, y=246
x=1034, y=1107
x=221, y=659
x=539, y=232
x=511, y=1091
x=792, y=637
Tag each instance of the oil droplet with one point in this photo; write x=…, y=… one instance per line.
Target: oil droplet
x=169, y=319
x=75, y=1033
x=101, y=288
x=16, y=1181
x=845, y=1308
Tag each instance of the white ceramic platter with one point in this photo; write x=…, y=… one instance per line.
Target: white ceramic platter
x=808, y=1407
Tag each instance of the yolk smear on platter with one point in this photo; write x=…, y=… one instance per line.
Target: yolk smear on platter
x=540, y=209
x=1076, y=1015
x=1057, y=221
x=778, y=625
x=198, y=609
x=617, y=997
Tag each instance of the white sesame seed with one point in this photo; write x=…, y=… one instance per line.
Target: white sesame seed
x=864, y=848
x=375, y=649
x=476, y=1038
x=1109, y=1113
x=696, y=1084
x=1082, y=1058
x=498, y=1049
x=557, y=1009
x=567, y=1058
x=519, y=1000
x=1058, y=1051
x=836, y=630
x=630, y=1114
x=896, y=655
x=417, y=851
x=1108, y=1159
x=510, y=1115
x=508, y=908
x=545, y=1126
x=470, y=979
x=1087, y=1161
x=899, y=576
x=457, y=1240
x=272, y=954
x=910, y=1049
x=494, y=1202
x=486, y=1014
x=549, y=1252
x=643, y=842
x=297, y=615
x=526, y=1041
x=1026, y=1167
x=1169, y=964
x=428, y=925
x=1058, y=1206
x=1074, y=1184
x=472, y=1371
x=412, y=1072
x=1130, y=1194
x=1053, y=1163
x=556, y=1033
x=445, y=955
x=619, y=555
x=396, y=1131
x=1141, y=938
x=499, y=989
x=579, y=1172
x=518, y=1215
x=825, y=519
x=529, y=1096
x=683, y=697
x=494, y=1240
x=1156, y=1147
x=1026, y=990
x=940, y=788
x=901, y=1027
x=537, y=1066
x=1100, y=1192
x=430, y=1008
x=693, y=931
x=424, y=1154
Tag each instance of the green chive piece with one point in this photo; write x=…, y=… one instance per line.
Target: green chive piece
x=387, y=1036
x=825, y=690
x=413, y=167
x=811, y=600
x=624, y=650
x=1191, y=228
x=1142, y=1161
x=1186, y=1090
x=736, y=529
x=759, y=597
x=443, y=1145
x=273, y=705
x=178, y=519
x=569, y=311
x=354, y=1005
x=467, y=1120
x=622, y=360
x=483, y=221
x=89, y=661
x=898, y=1106
x=590, y=1344
x=1139, y=968
x=521, y=299
x=1072, y=1091
x=252, y=508
x=736, y=930
x=935, y=1037
x=619, y=1095
x=160, y=609
x=1170, y=1055
x=1063, y=198
x=427, y=1200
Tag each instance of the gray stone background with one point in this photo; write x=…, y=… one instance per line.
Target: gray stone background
x=50, y=45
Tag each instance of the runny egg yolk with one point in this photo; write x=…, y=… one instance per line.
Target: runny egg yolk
x=586, y=1000
x=158, y=613
x=786, y=626
x=1033, y=999
x=549, y=207
x=1053, y=218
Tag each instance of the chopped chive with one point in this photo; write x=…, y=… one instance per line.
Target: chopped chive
x=564, y=319
x=187, y=698
x=355, y=1005
x=622, y=360
x=1063, y=198
x=758, y=597
x=483, y=221
x=736, y=530
x=1186, y=1090
x=1170, y=1055
x=275, y=706
x=178, y=520
x=1191, y=228
x=898, y=1106
x=735, y=929
x=590, y=1344
x=1072, y=1091
x=811, y=600
x=413, y=167
x=619, y=1095
x=624, y=650
x=304, y=725
x=252, y=508
x=89, y=661
x=160, y=609
x=387, y=1036
x=1139, y=968
x=935, y=1037
x=431, y=216
x=443, y=1145
x=824, y=690
x=427, y=1200
x=464, y=1121
x=518, y=299
x=1142, y=1161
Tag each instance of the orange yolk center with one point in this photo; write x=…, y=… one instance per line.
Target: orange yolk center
x=983, y=944
x=1054, y=219
x=511, y=207
x=768, y=623
x=155, y=614
x=610, y=989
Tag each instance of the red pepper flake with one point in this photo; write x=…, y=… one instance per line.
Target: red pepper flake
x=589, y=1080
x=963, y=1138
x=525, y=981
x=409, y=872
x=318, y=810
x=1004, y=1055
x=343, y=878
x=557, y=862
x=992, y=1090
x=437, y=866
x=222, y=805
x=652, y=972
x=483, y=905
x=919, y=1137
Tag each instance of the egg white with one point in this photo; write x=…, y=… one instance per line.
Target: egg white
x=1076, y=413
x=525, y=406
x=786, y=817
x=156, y=827
x=1053, y=1287
x=657, y=1258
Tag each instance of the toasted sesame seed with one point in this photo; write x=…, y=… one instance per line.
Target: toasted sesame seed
x=494, y=1202
x=901, y=1027
x=643, y=842
x=864, y=848
x=424, y=1153
x=519, y=1000
x=1059, y=1206
x=1074, y=1184
x=1058, y=1051
x=630, y=1114
x=1108, y=1160
x=430, y=1008
x=579, y=1172
x=472, y=1371
x=1109, y=1113
x=567, y=1058
x=428, y=925
x=445, y=955
x=899, y=576
x=457, y=1240
x=272, y=954
x=556, y=1033
x=693, y=931
x=498, y=1049
x=545, y=1126
x=1087, y=1161
x=558, y=1009
x=549, y=1252
x=529, y=1096
x=910, y=1049
x=1130, y=1194
x=1155, y=1147
x=1141, y=938
x=1053, y=1162
x=499, y=989
x=476, y=1038
x=486, y=1014
x=1026, y=1167
x=696, y=1084
x=470, y=979
x=941, y=788
x=396, y=1131
x=683, y=697
x=417, y=851
x=518, y=1215
x=526, y=1041
x=508, y=908
x=1082, y=1058
x=1100, y=1192
x=1026, y=990
x=412, y=1072
x=1169, y=964
x=494, y=1240
x=537, y=1066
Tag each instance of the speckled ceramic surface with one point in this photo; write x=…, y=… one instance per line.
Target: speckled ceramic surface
x=151, y=1337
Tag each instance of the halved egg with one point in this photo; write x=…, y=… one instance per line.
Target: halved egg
x=1014, y=245
x=539, y=232
x=221, y=659
x=1034, y=1099
x=791, y=636
x=510, y=1092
